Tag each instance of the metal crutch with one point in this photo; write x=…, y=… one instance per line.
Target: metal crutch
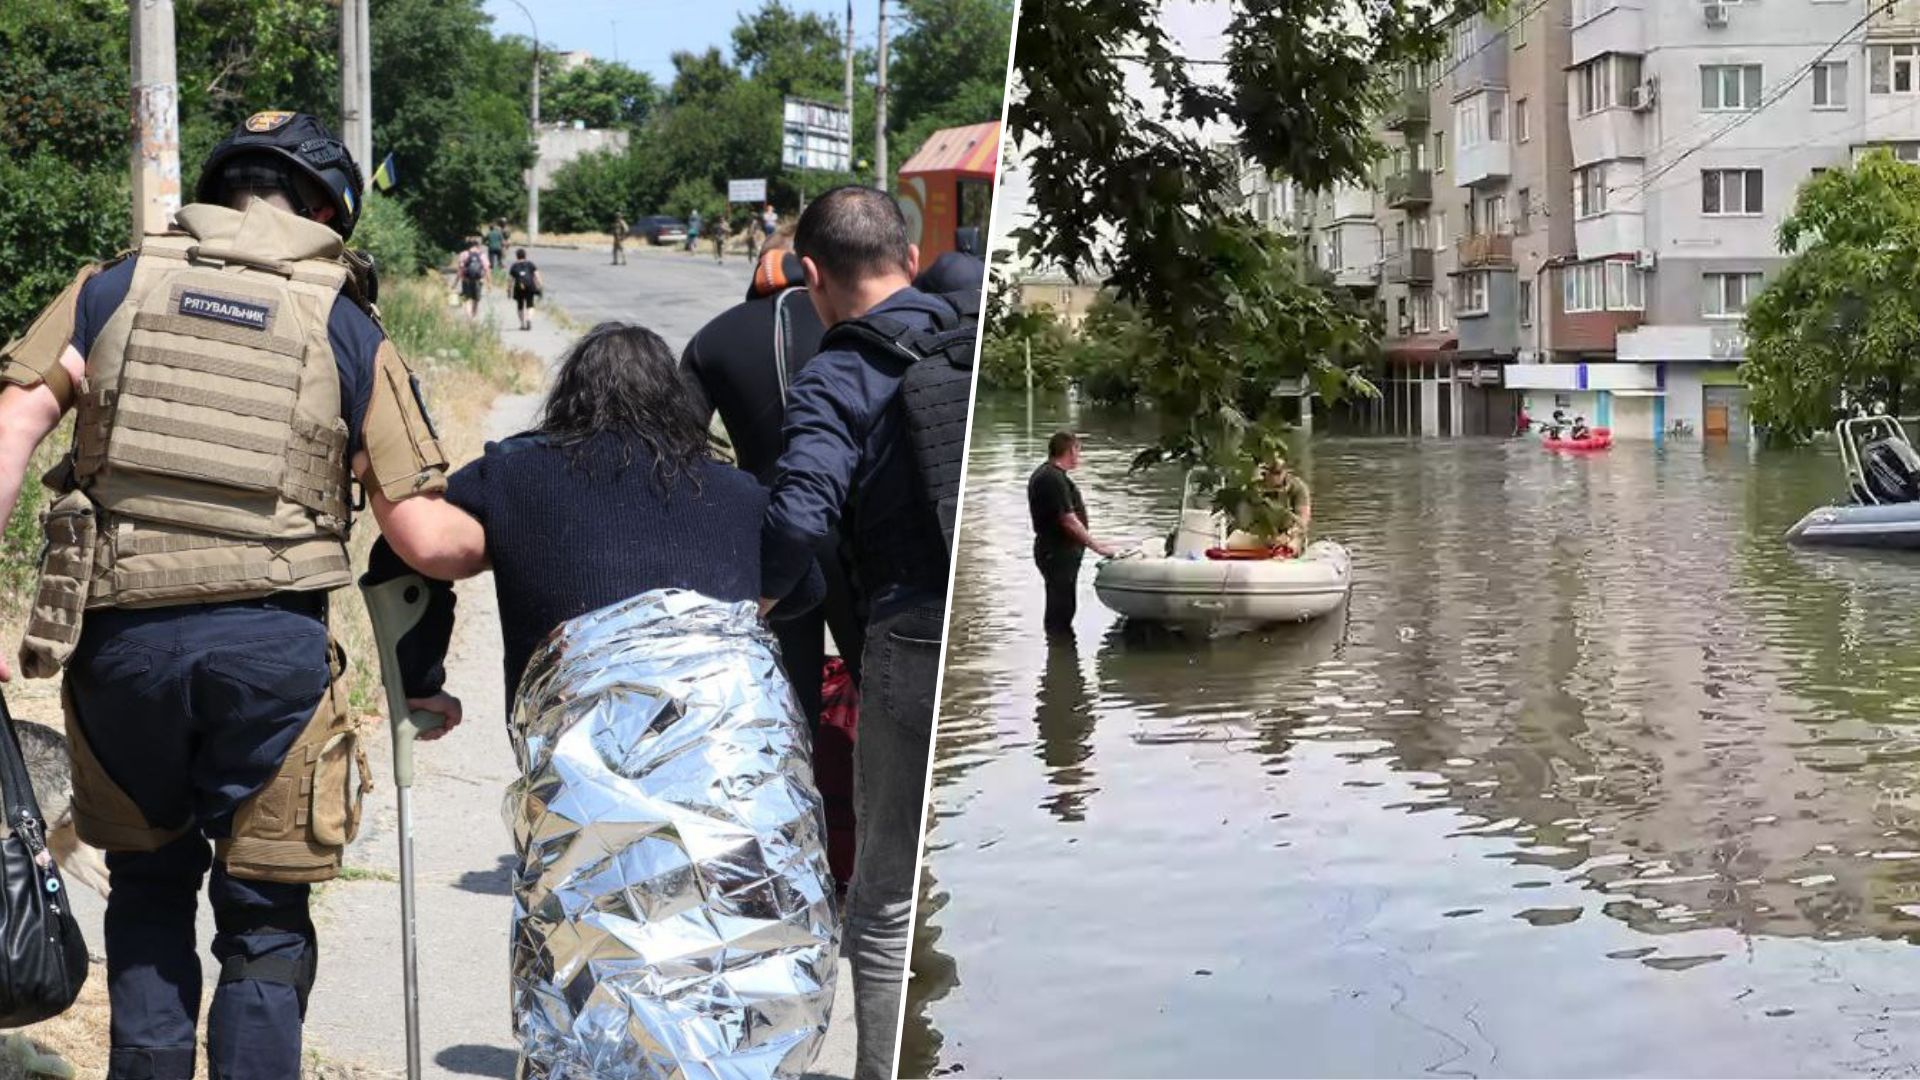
x=395, y=607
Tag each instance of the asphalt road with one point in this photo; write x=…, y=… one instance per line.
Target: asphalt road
x=462, y=847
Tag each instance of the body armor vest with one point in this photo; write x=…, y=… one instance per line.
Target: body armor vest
x=209, y=436
x=936, y=393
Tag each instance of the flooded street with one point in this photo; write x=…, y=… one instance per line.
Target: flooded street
x=1593, y=776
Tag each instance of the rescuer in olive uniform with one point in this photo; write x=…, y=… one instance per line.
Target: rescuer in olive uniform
x=228, y=384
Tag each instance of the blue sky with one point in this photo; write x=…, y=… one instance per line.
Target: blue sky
x=645, y=33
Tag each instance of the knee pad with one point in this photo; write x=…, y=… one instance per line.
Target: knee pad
x=150, y=1063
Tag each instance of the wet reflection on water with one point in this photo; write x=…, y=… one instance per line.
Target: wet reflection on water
x=1592, y=776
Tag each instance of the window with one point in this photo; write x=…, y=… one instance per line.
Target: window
x=1469, y=124
x=1470, y=291
x=1440, y=230
x=1442, y=311
x=1400, y=315
x=1422, y=310
x=1439, y=151
x=1589, y=191
x=1893, y=69
x=1604, y=83
x=1612, y=285
x=1526, y=303
x=1731, y=192
x=1726, y=296
x=1523, y=212
x=1729, y=87
x=1522, y=121
x=1517, y=30
x=1496, y=118
x=1334, y=260
x=1493, y=215
x=1830, y=85
x=1465, y=42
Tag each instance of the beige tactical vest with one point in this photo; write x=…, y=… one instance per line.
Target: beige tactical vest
x=209, y=433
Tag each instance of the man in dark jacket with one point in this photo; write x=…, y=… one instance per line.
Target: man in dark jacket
x=741, y=364
x=848, y=454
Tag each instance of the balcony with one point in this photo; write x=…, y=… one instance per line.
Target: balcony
x=1901, y=20
x=1610, y=26
x=1409, y=189
x=1410, y=108
x=1413, y=266
x=1486, y=162
x=1613, y=134
x=1484, y=251
x=1618, y=232
x=1352, y=201
x=1486, y=68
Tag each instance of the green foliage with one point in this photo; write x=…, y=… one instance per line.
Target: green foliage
x=1229, y=305
x=690, y=195
x=948, y=68
x=599, y=94
x=399, y=249
x=1841, y=320
x=594, y=187
x=55, y=219
x=450, y=103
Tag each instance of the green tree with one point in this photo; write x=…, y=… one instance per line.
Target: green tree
x=592, y=188
x=599, y=94
x=450, y=104
x=949, y=67
x=1228, y=304
x=1841, y=320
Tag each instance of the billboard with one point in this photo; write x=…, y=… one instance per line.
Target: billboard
x=747, y=191
x=815, y=135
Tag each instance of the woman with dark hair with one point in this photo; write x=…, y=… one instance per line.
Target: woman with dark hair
x=673, y=904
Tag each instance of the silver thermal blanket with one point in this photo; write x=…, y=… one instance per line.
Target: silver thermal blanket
x=673, y=910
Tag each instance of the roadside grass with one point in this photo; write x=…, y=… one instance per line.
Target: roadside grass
x=462, y=367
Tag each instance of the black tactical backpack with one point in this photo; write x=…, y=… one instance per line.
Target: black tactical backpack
x=935, y=392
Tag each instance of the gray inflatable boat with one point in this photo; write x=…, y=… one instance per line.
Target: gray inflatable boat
x=1883, y=476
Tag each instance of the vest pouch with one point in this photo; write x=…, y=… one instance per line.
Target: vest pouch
x=341, y=782
x=72, y=529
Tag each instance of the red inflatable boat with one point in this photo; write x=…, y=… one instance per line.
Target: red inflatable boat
x=1598, y=439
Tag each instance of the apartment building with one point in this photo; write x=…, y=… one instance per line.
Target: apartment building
x=1693, y=126
x=1469, y=209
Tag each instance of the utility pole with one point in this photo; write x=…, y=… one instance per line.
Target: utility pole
x=849, y=85
x=533, y=174
x=363, y=40
x=355, y=121
x=156, y=118
x=880, y=110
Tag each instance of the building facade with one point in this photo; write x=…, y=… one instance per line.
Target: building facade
x=1582, y=197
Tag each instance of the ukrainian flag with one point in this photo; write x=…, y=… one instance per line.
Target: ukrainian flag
x=385, y=176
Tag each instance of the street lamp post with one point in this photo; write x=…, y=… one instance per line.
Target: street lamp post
x=533, y=174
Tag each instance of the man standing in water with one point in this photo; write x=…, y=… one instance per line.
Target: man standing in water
x=1060, y=536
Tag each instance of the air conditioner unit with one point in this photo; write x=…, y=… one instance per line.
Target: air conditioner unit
x=1644, y=260
x=1641, y=98
x=1716, y=14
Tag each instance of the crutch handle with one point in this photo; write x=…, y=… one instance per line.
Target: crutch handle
x=395, y=607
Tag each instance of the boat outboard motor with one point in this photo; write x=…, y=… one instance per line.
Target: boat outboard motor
x=1892, y=470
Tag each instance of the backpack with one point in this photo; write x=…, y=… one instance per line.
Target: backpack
x=935, y=392
x=473, y=267
x=522, y=273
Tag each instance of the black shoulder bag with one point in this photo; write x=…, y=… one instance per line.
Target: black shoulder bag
x=43, y=959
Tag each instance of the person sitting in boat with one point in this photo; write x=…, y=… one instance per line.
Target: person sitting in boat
x=1289, y=492
x=1558, y=425
x=1580, y=428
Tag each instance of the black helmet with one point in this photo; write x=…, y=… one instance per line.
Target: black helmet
x=252, y=154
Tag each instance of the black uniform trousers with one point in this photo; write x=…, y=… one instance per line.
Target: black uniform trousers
x=1061, y=573
x=191, y=709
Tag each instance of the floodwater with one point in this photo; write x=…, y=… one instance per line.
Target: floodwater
x=1592, y=776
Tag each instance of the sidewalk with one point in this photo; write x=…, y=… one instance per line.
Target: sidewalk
x=462, y=854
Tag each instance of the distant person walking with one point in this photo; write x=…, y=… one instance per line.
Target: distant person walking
x=719, y=240
x=497, y=245
x=619, y=239
x=473, y=275
x=693, y=229
x=526, y=286
x=1060, y=536
x=769, y=222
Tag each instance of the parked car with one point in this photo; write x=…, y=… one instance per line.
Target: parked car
x=661, y=229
